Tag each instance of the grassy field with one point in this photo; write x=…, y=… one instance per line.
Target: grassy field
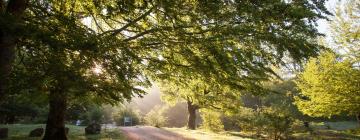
x=345, y=130
x=21, y=132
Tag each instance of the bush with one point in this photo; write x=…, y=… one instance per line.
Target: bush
x=272, y=122
x=244, y=118
x=123, y=112
x=156, y=116
x=211, y=120
x=278, y=124
x=93, y=114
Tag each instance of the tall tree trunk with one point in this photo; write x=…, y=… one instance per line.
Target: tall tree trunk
x=15, y=10
x=55, y=125
x=192, y=115
x=358, y=118
x=6, y=59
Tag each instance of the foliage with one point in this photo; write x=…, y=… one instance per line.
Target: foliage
x=95, y=114
x=282, y=97
x=329, y=84
x=345, y=30
x=156, y=116
x=273, y=122
x=211, y=120
x=111, y=58
x=24, y=107
x=21, y=132
x=243, y=118
x=329, y=87
x=108, y=112
x=91, y=114
x=176, y=115
x=124, y=111
x=278, y=123
x=200, y=93
x=65, y=49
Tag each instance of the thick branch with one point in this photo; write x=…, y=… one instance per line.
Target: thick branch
x=117, y=31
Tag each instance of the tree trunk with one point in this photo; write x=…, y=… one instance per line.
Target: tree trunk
x=192, y=115
x=6, y=59
x=358, y=118
x=55, y=125
x=15, y=8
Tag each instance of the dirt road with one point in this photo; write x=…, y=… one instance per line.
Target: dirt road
x=150, y=133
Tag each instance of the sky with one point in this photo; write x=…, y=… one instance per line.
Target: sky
x=323, y=25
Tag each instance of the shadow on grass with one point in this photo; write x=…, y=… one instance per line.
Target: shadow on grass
x=336, y=135
x=327, y=135
x=243, y=135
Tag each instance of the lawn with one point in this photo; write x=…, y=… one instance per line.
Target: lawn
x=21, y=132
x=345, y=130
x=200, y=134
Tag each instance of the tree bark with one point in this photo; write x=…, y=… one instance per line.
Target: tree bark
x=15, y=8
x=55, y=125
x=192, y=115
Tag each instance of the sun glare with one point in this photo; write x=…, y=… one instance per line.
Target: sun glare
x=97, y=69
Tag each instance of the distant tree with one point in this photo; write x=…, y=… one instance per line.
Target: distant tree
x=211, y=120
x=197, y=94
x=329, y=87
x=237, y=54
x=330, y=83
x=282, y=98
x=345, y=30
x=156, y=116
x=125, y=111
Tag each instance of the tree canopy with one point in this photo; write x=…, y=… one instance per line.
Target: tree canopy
x=329, y=87
x=110, y=50
x=330, y=83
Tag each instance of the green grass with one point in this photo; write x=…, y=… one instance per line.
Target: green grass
x=341, y=125
x=21, y=132
x=345, y=130
x=207, y=135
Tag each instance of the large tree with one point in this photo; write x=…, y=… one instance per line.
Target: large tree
x=329, y=87
x=107, y=50
x=330, y=84
x=11, y=13
x=198, y=94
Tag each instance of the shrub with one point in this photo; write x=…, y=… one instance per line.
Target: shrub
x=127, y=112
x=93, y=114
x=156, y=116
x=211, y=120
x=273, y=122
x=278, y=123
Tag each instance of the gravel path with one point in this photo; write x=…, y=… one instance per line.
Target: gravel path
x=150, y=133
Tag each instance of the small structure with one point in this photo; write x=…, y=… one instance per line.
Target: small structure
x=127, y=121
x=78, y=122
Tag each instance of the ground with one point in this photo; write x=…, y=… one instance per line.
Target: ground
x=150, y=133
x=322, y=131
x=207, y=135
